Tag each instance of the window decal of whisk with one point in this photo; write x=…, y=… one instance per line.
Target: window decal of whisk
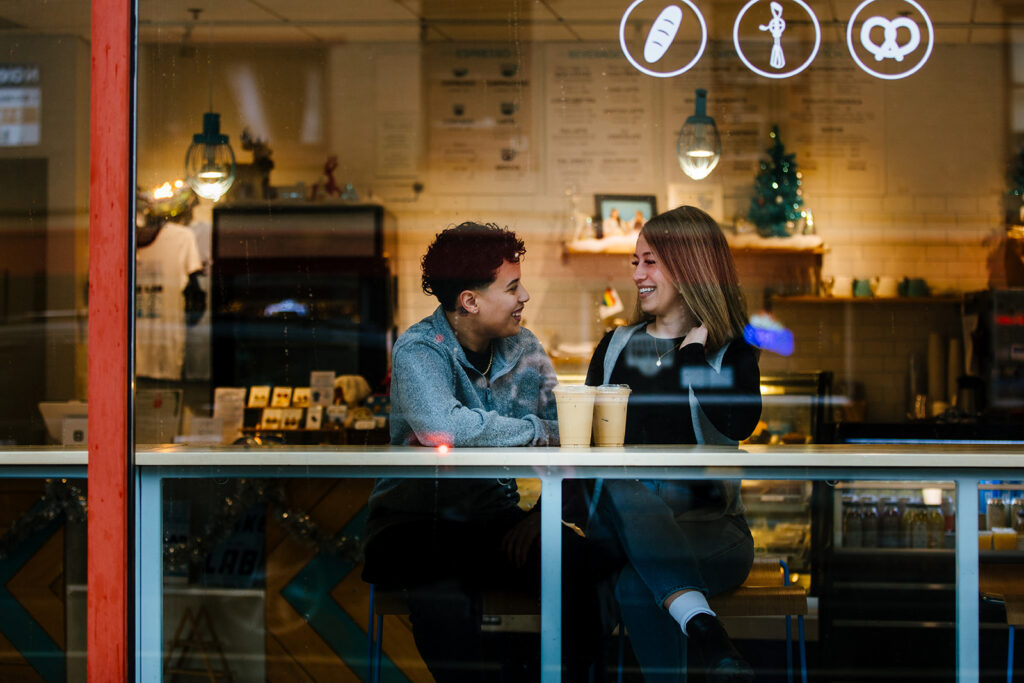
x=776, y=26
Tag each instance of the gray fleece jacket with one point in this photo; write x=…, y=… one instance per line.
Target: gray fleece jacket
x=438, y=397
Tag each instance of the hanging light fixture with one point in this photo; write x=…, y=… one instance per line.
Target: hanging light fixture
x=699, y=147
x=210, y=161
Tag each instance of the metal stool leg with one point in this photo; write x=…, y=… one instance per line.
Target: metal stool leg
x=622, y=651
x=379, y=646
x=369, y=639
x=789, y=649
x=803, y=649
x=1009, y=657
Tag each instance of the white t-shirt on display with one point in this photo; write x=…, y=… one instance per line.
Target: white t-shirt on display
x=162, y=269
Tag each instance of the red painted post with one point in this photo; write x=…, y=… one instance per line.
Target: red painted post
x=109, y=636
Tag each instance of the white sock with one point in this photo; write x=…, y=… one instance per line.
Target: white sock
x=687, y=606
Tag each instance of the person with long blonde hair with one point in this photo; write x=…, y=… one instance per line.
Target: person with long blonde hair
x=694, y=380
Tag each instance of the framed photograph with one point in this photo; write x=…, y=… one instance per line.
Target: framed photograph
x=622, y=214
x=282, y=397
x=259, y=396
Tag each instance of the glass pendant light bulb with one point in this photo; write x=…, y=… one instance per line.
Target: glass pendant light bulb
x=210, y=162
x=699, y=147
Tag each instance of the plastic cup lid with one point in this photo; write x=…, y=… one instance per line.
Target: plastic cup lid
x=574, y=389
x=613, y=389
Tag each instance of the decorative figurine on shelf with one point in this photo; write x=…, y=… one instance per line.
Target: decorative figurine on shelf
x=252, y=181
x=775, y=205
x=1015, y=214
x=327, y=182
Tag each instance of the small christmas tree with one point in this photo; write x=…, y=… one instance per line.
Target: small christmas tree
x=1016, y=176
x=777, y=195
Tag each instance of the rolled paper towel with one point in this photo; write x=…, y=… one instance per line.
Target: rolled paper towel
x=954, y=368
x=936, y=368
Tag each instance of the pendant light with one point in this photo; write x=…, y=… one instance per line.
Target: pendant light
x=699, y=147
x=210, y=161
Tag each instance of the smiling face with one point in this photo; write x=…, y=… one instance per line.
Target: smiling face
x=500, y=304
x=657, y=294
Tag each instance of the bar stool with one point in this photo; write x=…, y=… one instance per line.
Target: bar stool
x=395, y=601
x=766, y=592
x=1004, y=584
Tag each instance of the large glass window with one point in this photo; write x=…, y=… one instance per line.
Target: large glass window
x=44, y=190
x=862, y=161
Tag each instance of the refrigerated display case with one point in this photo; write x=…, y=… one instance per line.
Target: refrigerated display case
x=886, y=582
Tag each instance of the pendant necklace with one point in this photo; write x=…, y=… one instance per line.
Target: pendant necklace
x=671, y=346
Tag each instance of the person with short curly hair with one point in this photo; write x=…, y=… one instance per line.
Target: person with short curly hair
x=465, y=258
x=471, y=375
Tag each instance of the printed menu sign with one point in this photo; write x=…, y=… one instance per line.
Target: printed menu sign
x=480, y=120
x=20, y=105
x=836, y=113
x=598, y=121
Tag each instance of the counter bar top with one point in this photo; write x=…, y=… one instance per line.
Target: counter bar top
x=34, y=456
x=626, y=459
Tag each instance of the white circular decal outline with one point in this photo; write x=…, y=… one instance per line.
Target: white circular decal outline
x=785, y=74
x=663, y=74
x=876, y=74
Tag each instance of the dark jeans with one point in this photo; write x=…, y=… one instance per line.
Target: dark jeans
x=445, y=566
x=666, y=552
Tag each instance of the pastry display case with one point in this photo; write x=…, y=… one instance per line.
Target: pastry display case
x=795, y=407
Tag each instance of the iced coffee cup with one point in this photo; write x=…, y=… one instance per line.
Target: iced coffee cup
x=575, y=413
x=610, y=414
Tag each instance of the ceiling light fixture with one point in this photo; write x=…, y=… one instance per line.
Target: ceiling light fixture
x=699, y=146
x=210, y=161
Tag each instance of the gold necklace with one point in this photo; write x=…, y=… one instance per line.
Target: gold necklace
x=491, y=360
x=671, y=346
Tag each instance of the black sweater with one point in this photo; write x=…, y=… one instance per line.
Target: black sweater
x=659, y=404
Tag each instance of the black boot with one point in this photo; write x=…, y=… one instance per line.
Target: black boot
x=724, y=662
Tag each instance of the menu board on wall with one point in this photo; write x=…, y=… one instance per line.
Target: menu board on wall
x=829, y=116
x=397, y=111
x=599, y=122
x=739, y=101
x=837, y=131
x=479, y=115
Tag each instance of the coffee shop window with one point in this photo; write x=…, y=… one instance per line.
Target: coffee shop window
x=44, y=260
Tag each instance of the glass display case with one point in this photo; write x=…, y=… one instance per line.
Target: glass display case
x=794, y=410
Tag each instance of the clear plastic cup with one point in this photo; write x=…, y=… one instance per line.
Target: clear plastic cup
x=575, y=413
x=610, y=414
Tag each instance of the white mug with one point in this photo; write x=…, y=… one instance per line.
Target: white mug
x=886, y=287
x=842, y=286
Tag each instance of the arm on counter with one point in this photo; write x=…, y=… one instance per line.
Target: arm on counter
x=424, y=388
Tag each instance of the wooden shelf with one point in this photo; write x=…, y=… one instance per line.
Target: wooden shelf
x=896, y=300
x=615, y=247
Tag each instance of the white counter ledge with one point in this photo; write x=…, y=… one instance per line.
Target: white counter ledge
x=818, y=457
x=43, y=456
